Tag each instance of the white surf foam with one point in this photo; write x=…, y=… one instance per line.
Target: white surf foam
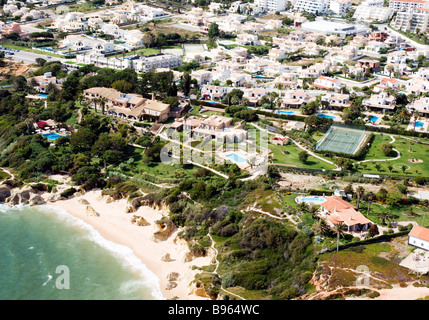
x=125, y=254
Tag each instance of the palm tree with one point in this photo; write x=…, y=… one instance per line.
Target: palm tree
x=103, y=103
x=359, y=193
x=320, y=227
x=95, y=101
x=390, y=69
x=345, y=70
x=384, y=215
x=370, y=196
x=312, y=210
x=416, y=115
x=338, y=228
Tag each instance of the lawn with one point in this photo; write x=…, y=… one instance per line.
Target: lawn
x=403, y=145
x=375, y=257
x=399, y=213
x=291, y=159
x=158, y=170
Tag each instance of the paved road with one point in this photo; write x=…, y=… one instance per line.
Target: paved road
x=30, y=57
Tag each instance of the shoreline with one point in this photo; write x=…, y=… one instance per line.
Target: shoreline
x=114, y=224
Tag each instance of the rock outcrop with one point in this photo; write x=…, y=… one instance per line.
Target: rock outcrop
x=188, y=257
x=166, y=258
x=171, y=285
x=19, y=196
x=173, y=276
x=134, y=204
x=26, y=195
x=36, y=200
x=83, y=201
x=140, y=221
x=165, y=229
x=91, y=212
x=196, y=288
x=4, y=193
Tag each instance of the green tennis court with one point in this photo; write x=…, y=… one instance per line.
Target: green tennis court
x=341, y=139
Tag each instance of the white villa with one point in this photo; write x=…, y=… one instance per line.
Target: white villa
x=419, y=237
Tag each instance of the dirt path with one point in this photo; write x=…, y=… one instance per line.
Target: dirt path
x=217, y=266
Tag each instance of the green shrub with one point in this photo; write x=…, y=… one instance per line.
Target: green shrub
x=68, y=193
x=228, y=280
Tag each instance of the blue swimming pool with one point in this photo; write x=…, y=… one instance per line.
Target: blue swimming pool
x=419, y=124
x=236, y=158
x=313, y=200
x=43, y=95
x=373, y=119
x=285, y=112
x=52, y=135
x=326, y=116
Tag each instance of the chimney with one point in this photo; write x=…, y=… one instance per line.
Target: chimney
x=153, y=96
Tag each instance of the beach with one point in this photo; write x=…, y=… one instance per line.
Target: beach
x=114, y=224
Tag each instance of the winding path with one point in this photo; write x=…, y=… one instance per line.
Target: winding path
x=391, y=159
x=8, y=172
x=217, y=266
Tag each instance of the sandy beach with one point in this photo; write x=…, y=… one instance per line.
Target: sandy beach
x=115, y=225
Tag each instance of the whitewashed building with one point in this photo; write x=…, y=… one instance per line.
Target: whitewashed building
x=419, y=237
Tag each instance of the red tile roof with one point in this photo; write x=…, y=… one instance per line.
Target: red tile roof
x=419, y=232
x=342, y=211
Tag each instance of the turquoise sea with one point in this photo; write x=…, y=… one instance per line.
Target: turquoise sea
x=46, y=254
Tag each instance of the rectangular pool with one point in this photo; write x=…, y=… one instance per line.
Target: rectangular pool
x=52, y=136
x=236, y=158
x=285, y=112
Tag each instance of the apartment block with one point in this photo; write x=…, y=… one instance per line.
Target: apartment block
x=271, y=5
x=408, y=5
x=372, y=13
x=411, y=21
x=313, y=6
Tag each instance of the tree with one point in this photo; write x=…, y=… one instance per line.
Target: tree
x=343, y=163
x=349, y=189
x=390, y=69
x=370, y=197
x=345, y=70
x=185, y=83
x=387, y=148
x=122, y=86
x=40, y=62
x=213, y=30
x=303, y=156
x=359, y=193
x=338, y=228
x=373, y=230
x=320, y=227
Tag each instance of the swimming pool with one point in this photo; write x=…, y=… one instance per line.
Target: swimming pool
x=419, y=124
x=42, y=95
x=373, y=119
x=236, y=158
x=285, y=112
x=312, y=200
x=52, y=135
x=326, y=116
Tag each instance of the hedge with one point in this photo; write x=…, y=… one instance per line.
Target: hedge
x=382, y=238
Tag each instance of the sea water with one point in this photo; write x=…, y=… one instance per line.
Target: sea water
x=47, y=254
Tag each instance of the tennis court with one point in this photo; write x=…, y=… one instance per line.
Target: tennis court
x=341, y=139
